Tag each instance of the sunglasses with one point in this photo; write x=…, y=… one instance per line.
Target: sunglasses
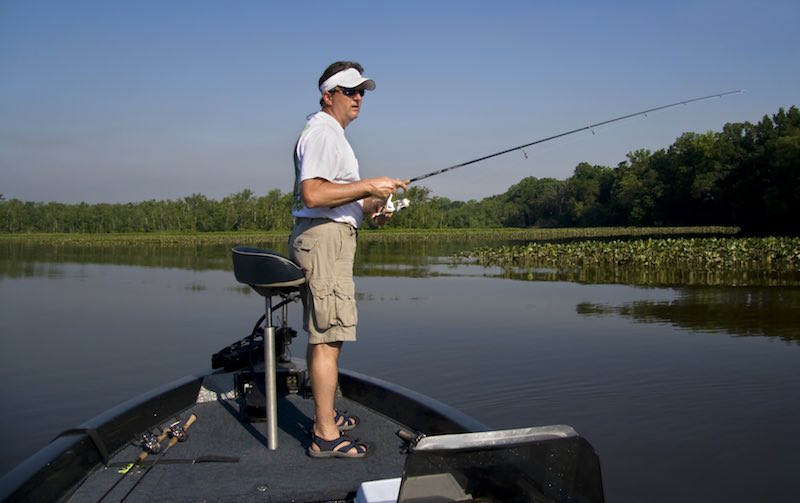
x=350, y=92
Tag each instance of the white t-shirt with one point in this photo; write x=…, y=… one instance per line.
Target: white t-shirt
x=322, y=151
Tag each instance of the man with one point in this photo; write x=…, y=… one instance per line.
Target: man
x=330, y=200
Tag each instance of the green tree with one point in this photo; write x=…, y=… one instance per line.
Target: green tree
x=636, y=190
x=589, y=195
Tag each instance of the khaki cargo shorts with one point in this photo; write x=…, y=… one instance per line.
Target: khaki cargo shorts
x=325, y=250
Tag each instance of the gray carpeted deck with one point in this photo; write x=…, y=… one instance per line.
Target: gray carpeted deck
x=285, y=475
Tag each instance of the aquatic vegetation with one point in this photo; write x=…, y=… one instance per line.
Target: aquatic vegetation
x=759, y=253
x=717, y=260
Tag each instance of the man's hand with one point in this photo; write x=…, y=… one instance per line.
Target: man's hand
x=384, y=186
x=375, y=207
x=384, y=210
x=380, y=217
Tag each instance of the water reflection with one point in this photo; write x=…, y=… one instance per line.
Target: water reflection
x=27, y=260
x=373, y=258
x=767, y=307
x=766, y=312
x=664, y=276
x=413, y=259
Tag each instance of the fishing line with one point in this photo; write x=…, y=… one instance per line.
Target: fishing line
x=590, y=127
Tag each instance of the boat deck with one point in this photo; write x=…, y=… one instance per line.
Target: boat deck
x=226, y=457
x=286, y=474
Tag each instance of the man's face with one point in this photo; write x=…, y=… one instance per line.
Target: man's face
x=346, y=104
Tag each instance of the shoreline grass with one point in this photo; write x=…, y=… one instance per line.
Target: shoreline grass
x=369, y=235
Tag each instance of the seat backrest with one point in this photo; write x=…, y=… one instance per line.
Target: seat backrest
x=265, y=268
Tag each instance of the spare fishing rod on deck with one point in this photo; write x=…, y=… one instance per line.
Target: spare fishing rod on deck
x=589, y=127
x=179, y=433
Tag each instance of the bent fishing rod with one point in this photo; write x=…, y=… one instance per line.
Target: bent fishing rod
x=589, y=127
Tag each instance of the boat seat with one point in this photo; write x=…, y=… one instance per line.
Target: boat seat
x=269, y=274
x=266, y=272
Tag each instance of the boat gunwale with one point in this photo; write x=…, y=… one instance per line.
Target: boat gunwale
x=415, y=410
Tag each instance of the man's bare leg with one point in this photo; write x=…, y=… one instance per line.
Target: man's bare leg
x=323, y=366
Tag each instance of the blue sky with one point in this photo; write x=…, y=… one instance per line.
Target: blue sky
x=125, y=101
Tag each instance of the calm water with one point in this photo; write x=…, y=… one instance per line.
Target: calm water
x=688, y=394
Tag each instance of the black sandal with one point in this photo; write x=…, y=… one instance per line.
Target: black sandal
x=338, y=448
x=348, y=422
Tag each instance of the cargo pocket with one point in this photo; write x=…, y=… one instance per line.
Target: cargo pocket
x=345, y=299
x=304, y=243
x=324, y=304
x=301, y=252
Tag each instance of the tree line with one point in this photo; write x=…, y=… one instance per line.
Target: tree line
x=195, y=213
x=747, y=175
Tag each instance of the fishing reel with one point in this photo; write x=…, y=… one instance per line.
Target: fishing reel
x=391, y=206
x=178, y=432
x=150, y=443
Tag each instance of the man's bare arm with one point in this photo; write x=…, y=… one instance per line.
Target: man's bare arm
x=318, y=192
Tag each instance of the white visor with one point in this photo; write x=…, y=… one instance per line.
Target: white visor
x=350, y=79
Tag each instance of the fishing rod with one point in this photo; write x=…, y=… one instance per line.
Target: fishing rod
x=589, y=127
x=179, y=434
x=151, y=444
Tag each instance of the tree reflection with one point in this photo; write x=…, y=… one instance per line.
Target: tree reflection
x=740, y=312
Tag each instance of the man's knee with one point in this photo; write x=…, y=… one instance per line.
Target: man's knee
x=325, y=349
